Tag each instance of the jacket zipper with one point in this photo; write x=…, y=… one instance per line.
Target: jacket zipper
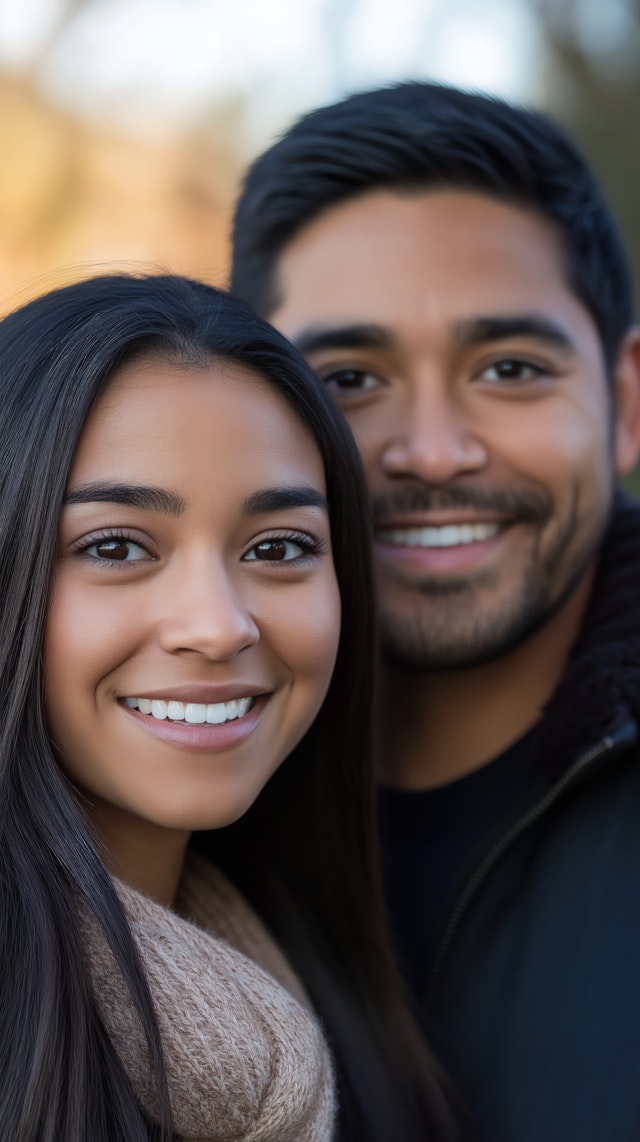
x=625, y=736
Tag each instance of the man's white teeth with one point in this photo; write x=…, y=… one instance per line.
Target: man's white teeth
x=450, y=535
x=193, y=713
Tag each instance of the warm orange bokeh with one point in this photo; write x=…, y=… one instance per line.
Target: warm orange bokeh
x=77, y=199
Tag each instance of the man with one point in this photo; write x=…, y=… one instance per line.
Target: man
x=447, y=265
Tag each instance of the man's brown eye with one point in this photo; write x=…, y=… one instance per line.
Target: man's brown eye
x=348, y=379
x=512, y=369
x=344, y=380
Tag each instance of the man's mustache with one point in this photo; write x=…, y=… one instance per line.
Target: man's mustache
x=531, y=505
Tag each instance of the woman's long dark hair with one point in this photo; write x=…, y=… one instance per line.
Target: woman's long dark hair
x=303, y=854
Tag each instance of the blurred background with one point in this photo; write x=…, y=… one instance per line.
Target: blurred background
x=125, y=124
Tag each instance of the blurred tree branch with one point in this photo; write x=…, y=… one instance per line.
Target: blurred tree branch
x=595, y=90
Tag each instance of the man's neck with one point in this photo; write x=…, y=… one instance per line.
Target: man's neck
x=438, y=727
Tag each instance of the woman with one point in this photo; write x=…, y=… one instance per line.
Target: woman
x=182, y=521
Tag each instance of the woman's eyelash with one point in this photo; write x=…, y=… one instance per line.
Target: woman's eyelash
x=307, y=542
x=308, y=545
x=122, y=535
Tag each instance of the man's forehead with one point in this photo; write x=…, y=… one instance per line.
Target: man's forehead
x=409, y=221
x=440, y=259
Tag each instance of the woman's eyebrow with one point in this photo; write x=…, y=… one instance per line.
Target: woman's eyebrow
x=279, y=499
x=170, y=503
x=133, y=495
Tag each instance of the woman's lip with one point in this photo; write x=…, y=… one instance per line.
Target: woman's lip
x=200, y=693
x=203, y=737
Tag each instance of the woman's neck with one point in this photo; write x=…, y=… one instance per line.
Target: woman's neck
x=145, y=856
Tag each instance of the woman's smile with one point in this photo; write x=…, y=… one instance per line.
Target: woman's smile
x=212, y=726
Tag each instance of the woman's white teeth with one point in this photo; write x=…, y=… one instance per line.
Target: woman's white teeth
x=451, y=535
x=193, y=713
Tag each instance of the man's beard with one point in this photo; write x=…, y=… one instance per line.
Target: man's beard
x=452, y=625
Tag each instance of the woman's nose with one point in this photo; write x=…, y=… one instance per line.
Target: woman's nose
x=206, y=612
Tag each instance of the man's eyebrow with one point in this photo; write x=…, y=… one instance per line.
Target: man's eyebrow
x=354, y=336
x=132, y=495
x=479, y=330
x=279, y=499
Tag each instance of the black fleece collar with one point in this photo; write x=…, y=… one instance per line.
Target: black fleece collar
x=600, y=689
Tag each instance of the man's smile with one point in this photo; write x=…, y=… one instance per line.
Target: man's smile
x=445, y=535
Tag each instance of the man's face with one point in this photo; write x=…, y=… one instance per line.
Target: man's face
x=474, y=382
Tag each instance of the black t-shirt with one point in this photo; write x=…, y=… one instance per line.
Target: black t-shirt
x=430, y=841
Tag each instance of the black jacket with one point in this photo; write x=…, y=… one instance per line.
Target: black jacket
x=534, y=993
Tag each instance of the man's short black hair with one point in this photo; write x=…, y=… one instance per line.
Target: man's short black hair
x=421, y=136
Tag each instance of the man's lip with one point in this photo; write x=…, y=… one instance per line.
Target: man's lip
x=202, y=693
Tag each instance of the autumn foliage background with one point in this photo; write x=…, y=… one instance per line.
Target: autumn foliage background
x=82, y=192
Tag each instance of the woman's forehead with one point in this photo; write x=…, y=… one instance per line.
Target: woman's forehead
x=220, y=426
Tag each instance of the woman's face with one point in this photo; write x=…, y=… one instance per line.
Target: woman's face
x=194, y=619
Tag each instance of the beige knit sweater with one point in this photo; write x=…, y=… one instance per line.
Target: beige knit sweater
x=245, y=1058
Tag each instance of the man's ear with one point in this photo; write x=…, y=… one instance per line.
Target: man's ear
x=626, y=396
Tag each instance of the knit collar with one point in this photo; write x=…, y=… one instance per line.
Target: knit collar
x=245, y=1060
x=600, y=689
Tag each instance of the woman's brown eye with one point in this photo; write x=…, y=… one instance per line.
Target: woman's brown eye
x=271, y=549
x=118, y=549
x=280, y=550
x=113, y=549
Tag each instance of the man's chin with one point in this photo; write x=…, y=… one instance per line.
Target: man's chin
x=440, y=646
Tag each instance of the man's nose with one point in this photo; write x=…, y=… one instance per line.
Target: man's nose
x=206, y=610
x=431, y=437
